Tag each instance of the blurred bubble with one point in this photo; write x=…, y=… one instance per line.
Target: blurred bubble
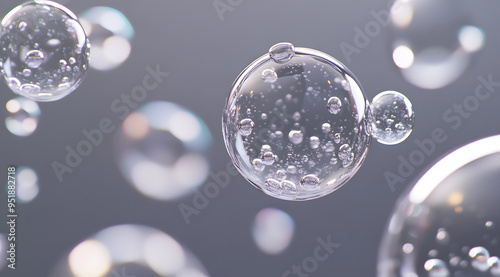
x=392, y=117
x=161, y=150
x=110, y=32
x=45, y=51
x=315, y=119
x=26, y=184
x=23, y=115
x=433, y=41
x=272, y=230
x=449, y=217
x=3, y=251
x=130, y=250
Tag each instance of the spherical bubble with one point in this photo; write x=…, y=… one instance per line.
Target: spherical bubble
x=307, y=98
x=432, y=41
x=392, y=117
x=161, y=150
x=449, y=217
x=111, y=33
x=26, y=184
x=273, y=230
x=129, y=250
x=38, y=39
x=23, y=116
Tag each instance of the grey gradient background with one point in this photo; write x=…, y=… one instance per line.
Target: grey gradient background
x=204, y=55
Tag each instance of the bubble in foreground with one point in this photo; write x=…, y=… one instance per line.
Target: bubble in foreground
x=272, y=230
x=433, y=42
x=449, y=217
x=296, y=123
x=129, y=250
x=110, y=32
x=45, y=51
x=23, y=115
x=392, y=117
x=161, y=150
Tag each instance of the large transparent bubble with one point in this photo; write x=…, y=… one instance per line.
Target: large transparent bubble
x=44, y=51
x=295, y=123
x=448, y=223
x=161, y=150
x=127, y=251
x=433, y=41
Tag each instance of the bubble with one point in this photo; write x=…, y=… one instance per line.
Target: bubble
x=310, y=182
x=494, y=265
x=23, y=115
x=246, y=126
x=479, y=256
x=272, y=230
x=111, y=34
x=444, y=213
x=269, y=76
x=334, y=105
x=258, y=164
x=161, y=150
x=326, y=127
x=40, y=48
x=282, y=52
x=433, y=42
x=392, y=117
x=298, y=122
x=34, y=58
x=26, y=184
x=315, y=142
x=129, y=250
x=295, y=136
x=436, y=268
x=268, y=158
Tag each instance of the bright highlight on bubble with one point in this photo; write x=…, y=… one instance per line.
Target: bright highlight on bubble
x=297, y=123
x=23, y=116
x=45, y=51
x=449, y=217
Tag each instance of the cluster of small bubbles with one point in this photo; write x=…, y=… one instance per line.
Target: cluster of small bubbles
x=23, y=116
x=449, y=215
x=392, y=117
x=32, y=53
x=306, y=134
